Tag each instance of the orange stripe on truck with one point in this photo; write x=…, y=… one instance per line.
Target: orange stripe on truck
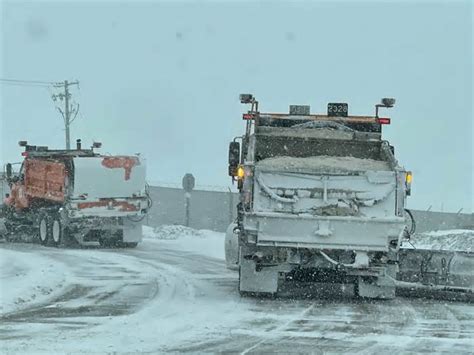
x=121, y=162
x=124, y=205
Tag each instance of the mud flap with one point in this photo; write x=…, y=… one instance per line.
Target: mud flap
x=262, y=281
x=132, y=231
x=381, y=288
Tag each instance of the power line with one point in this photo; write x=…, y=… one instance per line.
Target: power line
x=69, y=111
x=34, y=82
x=25, y=85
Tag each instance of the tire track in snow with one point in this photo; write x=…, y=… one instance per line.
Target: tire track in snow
x=100, y=285
x=278, y=329
x=409, y=324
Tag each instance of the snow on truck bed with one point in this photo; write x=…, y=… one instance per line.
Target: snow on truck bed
x=323, y=163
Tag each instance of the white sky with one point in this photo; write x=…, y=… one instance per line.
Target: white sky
x=163, y=78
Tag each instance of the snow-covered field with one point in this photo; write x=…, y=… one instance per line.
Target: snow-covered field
x=173, y=294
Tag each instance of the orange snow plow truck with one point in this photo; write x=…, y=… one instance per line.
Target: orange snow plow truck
x=78, y=196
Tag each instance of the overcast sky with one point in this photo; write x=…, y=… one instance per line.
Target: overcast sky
x=163, y=78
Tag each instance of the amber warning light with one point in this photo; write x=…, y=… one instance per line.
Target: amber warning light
x=240, y=172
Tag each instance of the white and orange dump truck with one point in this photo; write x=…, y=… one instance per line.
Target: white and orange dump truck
x=78, y=196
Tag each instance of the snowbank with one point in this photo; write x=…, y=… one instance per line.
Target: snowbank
x=204, y=242
x=27, y=278
x=170, y=232
x=453, y=240
x=323, y=163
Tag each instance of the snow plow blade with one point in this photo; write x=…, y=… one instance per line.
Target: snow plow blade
x=436, y=274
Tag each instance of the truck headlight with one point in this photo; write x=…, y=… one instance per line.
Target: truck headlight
x=408, y=180
x=240, y=172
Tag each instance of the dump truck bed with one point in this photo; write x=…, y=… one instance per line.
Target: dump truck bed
x=322, y=201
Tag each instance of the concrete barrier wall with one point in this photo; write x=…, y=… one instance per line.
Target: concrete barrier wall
x=215, y=210
x=212, y=210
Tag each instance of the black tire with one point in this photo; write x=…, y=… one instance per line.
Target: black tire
x=56, y=231
x=107, y=242
x=8, y=233
x=68, y=239
x=128, y=244
x=44, y=229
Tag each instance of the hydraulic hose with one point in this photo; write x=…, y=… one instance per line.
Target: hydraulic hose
x=413, y=222
x=273, y=195
x=332, y=261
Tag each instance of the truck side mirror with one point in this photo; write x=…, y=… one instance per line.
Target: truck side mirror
x=8, y=170
x=234, y=157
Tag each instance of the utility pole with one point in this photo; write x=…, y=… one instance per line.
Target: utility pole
x=69, y=109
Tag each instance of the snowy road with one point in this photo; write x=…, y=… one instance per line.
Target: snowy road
x=168, y=295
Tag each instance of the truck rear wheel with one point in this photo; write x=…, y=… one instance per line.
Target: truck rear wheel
x=56, y=231
x=128, y=244
x=44, y=230
x=376, y=289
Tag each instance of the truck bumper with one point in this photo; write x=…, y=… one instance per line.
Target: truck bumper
x=92, y=229
x=343, y=233
x=370, y=282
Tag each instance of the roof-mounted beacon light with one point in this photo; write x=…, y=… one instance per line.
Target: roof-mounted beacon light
x=22, y=143
x=96, y=145
x=385, y=102
x=388, y=102
x=246, y=98
x=249, y=99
